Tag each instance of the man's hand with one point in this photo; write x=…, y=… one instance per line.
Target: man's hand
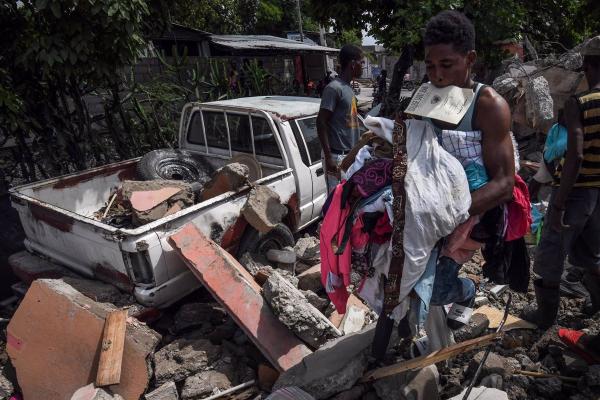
x=332, y=168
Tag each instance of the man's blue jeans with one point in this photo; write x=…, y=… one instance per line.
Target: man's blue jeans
x=447, y=286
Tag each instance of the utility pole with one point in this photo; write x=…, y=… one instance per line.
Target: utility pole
x=300, y=21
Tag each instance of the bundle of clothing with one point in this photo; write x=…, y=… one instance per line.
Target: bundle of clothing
x=398, y=228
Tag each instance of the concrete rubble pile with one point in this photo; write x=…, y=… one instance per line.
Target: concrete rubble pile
x=136, y=203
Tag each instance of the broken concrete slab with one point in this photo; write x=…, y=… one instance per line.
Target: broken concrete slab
x=353, y=320
x=90, y=392
x=539, y=102
x=294, y=310
x=58, y=326
x=336, y=318
x=311, y=279
x=263, y=209
x=226, y=179
x=203, y=384
x=100, y=292
x=291, y=392
x=308, y=250
x=28, y=267
x=182, y=358
x=332, y=359
x=152, y=200
x=476, y=327
x=414, y=385
x=494, y=364
x=167, y=391
x=240, y=295
x=317, y=302
x=254, y=263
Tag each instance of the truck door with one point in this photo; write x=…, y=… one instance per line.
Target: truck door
x=305, y=130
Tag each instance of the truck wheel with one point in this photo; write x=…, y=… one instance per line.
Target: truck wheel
x=254, y=242
x=177, y=165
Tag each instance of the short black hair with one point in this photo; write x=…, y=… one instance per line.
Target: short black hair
x=348, y=53
x=450, y=27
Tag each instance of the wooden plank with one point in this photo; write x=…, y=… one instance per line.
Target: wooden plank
x=111, y=354
x=435, y=357
x=235, y=289
x=495, y=316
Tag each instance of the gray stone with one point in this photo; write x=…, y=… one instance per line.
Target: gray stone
x=99, y=291
x=481, y=301
x=227, y=178
x=182, y=358
x=493, y=365
x=475, y=328
x=193, y=315
x=311, y=279
x=539, y=103
x=90, y=392
x=592, y=377
x=505, y=84
x=549, y=362
x=254, y=263
x=573, y=365
x=417, y=385
x=355, y=393
x=263, y=209
x=203, y=384
x=284, y=256
x=318, y=302
x=525, y=362
x=291, y=392
x=308, y=250
x=294, y=311
x=548, y=387
x=6, y=386
x=494, y=381
x=168, y=391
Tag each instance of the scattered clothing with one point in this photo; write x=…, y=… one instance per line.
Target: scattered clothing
x=448, y=287
x=519, y=211
x=556, y=143
x=507, y=263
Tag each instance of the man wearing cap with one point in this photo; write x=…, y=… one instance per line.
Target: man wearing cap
x=573, y=221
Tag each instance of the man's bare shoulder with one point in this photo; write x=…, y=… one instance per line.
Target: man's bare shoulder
x=492, y=109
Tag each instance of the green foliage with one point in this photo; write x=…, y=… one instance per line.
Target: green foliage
x=350, y=36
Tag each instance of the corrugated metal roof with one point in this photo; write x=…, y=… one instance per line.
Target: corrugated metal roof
x=265, y=42
x=282, y=107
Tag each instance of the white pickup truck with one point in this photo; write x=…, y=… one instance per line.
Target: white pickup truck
x=280, y=132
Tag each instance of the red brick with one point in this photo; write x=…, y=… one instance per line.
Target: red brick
x=236, y=290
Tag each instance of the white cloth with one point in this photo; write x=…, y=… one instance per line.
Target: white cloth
x=380, y=126
x=363, y=155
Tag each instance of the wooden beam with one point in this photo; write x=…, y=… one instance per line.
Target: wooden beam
x=111, y=353
x=435, y=357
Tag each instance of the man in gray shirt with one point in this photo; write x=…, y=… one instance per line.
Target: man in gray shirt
x=337, y=122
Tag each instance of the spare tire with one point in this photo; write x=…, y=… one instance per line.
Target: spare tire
x=177, y=165
x=253, y=242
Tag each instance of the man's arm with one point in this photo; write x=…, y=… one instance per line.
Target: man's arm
x=493, y=119
x=573, y=160
x=328, y=103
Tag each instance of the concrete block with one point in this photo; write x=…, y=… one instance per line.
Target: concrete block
x=29, y=267
x=311, y=279
x=168, y=391
x=182, y=358
x=228, y=178
x=293, y=309
x=539, y=102
x=203, y=384
x=235, y=289
x=54, y=341
x=263, y=209
x=308, y=250
x=417, y=385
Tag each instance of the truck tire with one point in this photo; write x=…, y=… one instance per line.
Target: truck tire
x=178, y=165
x=254, y=242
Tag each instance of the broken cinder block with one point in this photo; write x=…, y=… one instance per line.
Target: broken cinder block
x=293, y=309
x=168, y=391
x=182, y=358
x=54, y=339
x=263, y=209
x=228, y=178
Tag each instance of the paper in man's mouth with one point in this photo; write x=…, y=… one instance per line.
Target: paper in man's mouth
x=448, y=104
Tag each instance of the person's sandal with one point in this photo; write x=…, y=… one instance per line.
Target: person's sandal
x=572, y=339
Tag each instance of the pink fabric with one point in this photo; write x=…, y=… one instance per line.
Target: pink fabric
x=459, y=246
x=331, y=232
x=519, y=212
x=358, y=238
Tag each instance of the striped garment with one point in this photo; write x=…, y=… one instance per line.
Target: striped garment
x=589, y=175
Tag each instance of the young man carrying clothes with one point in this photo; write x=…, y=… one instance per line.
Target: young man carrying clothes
x=573, y=220
x=449, y=41
x=337, y=122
